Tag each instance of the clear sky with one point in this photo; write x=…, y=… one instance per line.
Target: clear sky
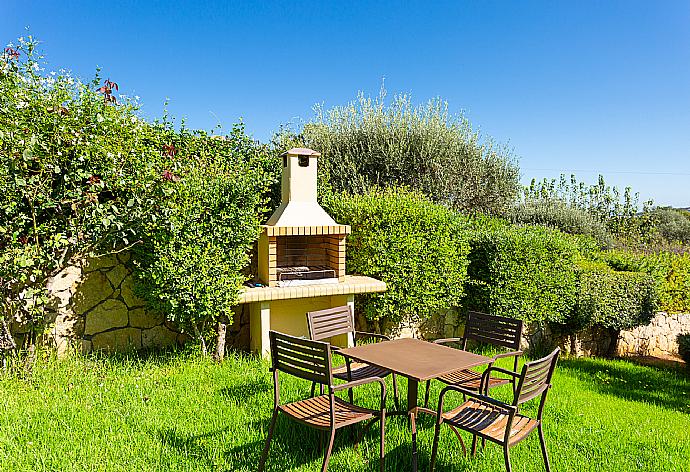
x=591, y=87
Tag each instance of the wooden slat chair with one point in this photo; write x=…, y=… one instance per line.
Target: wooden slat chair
x=324, y=324
x=495, y=421
x=498, y=331
x=311, y=360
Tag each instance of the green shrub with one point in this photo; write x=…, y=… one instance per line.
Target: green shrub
x=612, y=299
x=412, y=244
x=368, y=144
x=557, y=214
x=191, y=263
x=670, y=271
x=684, y=347
x=522, y=272
x=673, y=225
x=73, y=162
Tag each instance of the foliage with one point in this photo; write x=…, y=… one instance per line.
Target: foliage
x=369, y=144
x=559, y=215
x=613, y=299
x=670, y=271
x=684, y=347
x=73, y=164
x=206, y=219
x=618, y=211
x=522, y=272
x=673, y=225
x=415, y=246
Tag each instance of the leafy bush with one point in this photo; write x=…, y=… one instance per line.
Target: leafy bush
x=670, y=271
x=368, y=144
x=73, y=164
x=191, y=262
x=684, y=347
x=522, y=272
x=412, y=244
x=613, y=299
x=557, y=214
x=672, y=225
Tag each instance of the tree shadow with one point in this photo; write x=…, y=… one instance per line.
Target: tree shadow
x=189, y=444
x=246, y=390
x=668, y=387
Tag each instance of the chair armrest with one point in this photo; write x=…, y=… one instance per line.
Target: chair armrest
x=470, y=393
x=448, y=340
x=372, y=335
x=503, y=371
x=357, y=383
x=508, y=354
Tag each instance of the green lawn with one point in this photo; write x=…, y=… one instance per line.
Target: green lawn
x=180, y=412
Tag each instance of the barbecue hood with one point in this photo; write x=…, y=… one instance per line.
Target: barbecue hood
x=298, y=206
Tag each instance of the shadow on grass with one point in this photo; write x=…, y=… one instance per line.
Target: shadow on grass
x=664, y=386
x=190, y=445
x=246, y=390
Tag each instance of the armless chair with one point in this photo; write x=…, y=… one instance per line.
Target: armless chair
x=494, y=330
x=311, y=360
x=324, y=324
x=495, y=421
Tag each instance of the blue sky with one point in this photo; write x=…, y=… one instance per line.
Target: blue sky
x=590, y=87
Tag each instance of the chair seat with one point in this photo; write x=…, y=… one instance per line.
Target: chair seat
x=359, y=371
x=316, y=412
x=488, y=420
x=470, y=379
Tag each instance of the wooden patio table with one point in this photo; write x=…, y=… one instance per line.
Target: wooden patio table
x=418, y=361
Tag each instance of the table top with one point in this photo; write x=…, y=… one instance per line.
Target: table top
x=414, y=358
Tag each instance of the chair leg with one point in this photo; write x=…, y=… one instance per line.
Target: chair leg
x=264, y=454
x=396, y=399
x=383, y=440
x=474, y=445
x=350, y=395
x=434, y=448
x=313, y=389
x=506, y=455
x=543, y=448
x=426, y=394
x=329, y=449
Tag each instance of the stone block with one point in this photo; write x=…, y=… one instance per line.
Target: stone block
x=64, y=281
x=140, y=318
x=124, y=256
x=109, y=314
x=127, y=293
x=117, y=340
x=159, y=336
x=85, y=346
x=93, y=290
x=98, y=263
x=117, y=274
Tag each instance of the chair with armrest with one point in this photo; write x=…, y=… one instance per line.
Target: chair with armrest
x=496, y=421
x=311, y=360
x=498, y=331
x=324, y=324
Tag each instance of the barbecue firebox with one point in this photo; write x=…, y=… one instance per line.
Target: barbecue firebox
x=301, y=244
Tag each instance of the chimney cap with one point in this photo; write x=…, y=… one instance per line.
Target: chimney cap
x=301, y=152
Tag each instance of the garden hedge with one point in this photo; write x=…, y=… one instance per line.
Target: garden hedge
x=417, y=247
x=522, y=272
x=612, y=299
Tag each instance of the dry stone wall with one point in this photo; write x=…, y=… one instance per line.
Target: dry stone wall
x=95, y=308
x=659, y=338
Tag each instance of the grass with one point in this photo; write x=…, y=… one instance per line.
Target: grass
x=181, y=412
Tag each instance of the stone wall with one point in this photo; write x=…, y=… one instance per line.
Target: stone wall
x=659, y=338
x=95, y=308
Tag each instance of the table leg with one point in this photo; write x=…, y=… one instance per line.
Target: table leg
x=412, y=389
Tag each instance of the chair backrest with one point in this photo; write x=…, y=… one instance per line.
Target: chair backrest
x=495, y=330
x=324, y=324
x=303, y=358
x=535, y=378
